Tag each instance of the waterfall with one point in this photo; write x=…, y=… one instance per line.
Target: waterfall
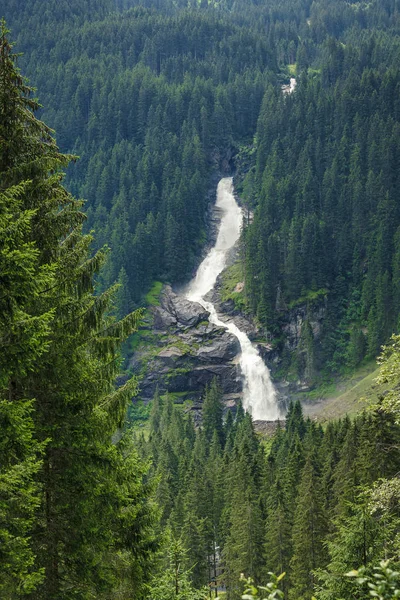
x=259, y=395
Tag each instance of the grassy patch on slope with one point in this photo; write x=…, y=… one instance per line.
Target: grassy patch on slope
x=144, y=334
x=231, y=278
x=350, y=395
x=152, y=298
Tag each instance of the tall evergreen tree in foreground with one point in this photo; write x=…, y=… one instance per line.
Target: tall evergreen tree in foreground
x=24, y=332
x=75, y=514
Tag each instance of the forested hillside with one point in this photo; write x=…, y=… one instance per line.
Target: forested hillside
x=328, y=217
x=152, y=104
x=325, y=181
x=158, y=98
x=304, y=503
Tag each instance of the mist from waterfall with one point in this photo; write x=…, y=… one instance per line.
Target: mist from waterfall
x=259, y=395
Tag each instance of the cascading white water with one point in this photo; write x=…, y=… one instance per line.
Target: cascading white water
x=259, y=395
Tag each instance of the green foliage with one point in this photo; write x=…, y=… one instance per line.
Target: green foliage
x=152, y=100
x=384, y=583
x=173, y=582
x=152, y=296
x=25, y=325
x=389, y=373
x=153, y=96
x=325, y=223
x=298, y=498
x=270, y=592
x=212, y=412
x=231, y=278
x=309, y=298
x=139, y=412
x=75, y=510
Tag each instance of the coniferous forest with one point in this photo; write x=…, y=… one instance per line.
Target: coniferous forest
x=151, y=101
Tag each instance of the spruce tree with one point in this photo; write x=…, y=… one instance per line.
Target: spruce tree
x=94, y=513
x=25, y=326
x=278, y=525
x=243, y=545
x=212, y=412
x=309, y=530
x=24, y=332
x=172, y=582
x=358, y=540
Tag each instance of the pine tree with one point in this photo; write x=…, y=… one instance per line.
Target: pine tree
x=278, y=542
x=243, y=544
x=357, y=541
x=212, y=412
x=295, y=421
x=197, y=522
x=309, y=530
x=215, y=477
x=123, y=297
x=228, y=425
x=91, y=497
x=347, y=477
x=155, y=414
x=173, y=580
x=24, y=333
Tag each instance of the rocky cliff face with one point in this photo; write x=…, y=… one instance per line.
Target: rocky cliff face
x=294, y=358
x=289, y=356
x=182, y=352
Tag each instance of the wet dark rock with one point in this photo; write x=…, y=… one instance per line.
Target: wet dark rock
x=182, y=310
x=162, y=319
x=190, y=379
x=295, y=319
x=184, y=352
x=199, y=377
x=228, y=307
x=223, y=349
x=269, y=353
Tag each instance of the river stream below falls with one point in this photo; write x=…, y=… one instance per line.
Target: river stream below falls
x=259, y=394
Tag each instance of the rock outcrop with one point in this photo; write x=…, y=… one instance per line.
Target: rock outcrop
x=182, y=352
x=279, y=352
x=177, y=310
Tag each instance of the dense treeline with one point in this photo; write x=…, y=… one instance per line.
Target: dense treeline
x=154, y=95
x=325, y=181
x=152, y=103
x=151, y=99
x=304, y=503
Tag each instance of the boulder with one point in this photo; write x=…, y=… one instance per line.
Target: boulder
x=206, y=330
x=222, y=349
x=184, y=352
x=188, y=314
x=162, y=319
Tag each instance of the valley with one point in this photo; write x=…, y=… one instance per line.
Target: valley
x=199, y=299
